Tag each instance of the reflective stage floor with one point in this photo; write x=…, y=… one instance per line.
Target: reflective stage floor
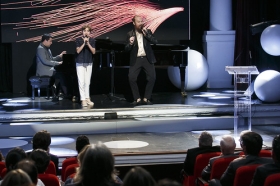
x=159, y=133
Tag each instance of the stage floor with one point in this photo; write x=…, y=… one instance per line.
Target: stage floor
x=154, y=143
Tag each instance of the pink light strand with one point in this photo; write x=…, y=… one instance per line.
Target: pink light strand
x=102, y=15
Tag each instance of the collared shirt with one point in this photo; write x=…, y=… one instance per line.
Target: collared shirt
x=141, y=50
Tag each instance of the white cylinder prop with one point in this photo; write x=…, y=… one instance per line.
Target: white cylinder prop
x=267, y=87
x=220, y=15
x=196, y=72
x=270, y=40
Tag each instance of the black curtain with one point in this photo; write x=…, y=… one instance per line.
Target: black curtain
x=6, y=76
x=248, y=49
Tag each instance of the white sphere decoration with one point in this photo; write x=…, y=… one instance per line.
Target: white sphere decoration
x=270, y=40
x=266, y=86
x=196, y=72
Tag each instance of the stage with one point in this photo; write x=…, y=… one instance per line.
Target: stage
x=147, y=134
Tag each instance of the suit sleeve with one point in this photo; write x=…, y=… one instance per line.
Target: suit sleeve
x=228, y=176
x=189, y=162
x=150, y=37
x=41, y=54
x=128, y=46
x=258, y=179
x=205, y=174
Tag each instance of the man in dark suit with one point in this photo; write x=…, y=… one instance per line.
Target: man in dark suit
x=141, y=57
x=228, y=145
x=267, y=169
x=251, y=144
x=204, y=146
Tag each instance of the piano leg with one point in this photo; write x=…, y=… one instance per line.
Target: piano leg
x=183, y=78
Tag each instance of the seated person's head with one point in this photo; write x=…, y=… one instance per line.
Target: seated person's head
x=41, y=158
x=17, y=177
x=29, y=167
x=138, y=176
x=205, y=139
x=97, y=166
x=1, y=156
x=14, y=156
x=168, y=182
x=42, y=140
x=276, y=149
x=81, y=155
x=227, y=144
x=251, y=143
x=81, y=142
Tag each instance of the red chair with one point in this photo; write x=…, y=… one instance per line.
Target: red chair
x=65, y=163
x=263, y=153
x=2, y=166
x=71, y=169
x=3, y=173
x=272, y=180
x=49, y=179
x=244, y=175
x=200, y=162
x=51, y=169
x=218, y=168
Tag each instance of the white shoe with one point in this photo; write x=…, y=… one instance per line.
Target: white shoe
x=89, y=102
x=84, y=103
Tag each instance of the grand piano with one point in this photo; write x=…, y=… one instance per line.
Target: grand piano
x=111, y=54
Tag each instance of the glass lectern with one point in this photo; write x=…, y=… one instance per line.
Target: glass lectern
x=242, y=99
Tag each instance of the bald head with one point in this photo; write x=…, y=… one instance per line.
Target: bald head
x=227, y=144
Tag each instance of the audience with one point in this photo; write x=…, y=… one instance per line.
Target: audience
x=168, y=182
x=28, y=166
x=81, y=142
x=204, y=146
x=227, y=145
x=138, y=176
x=271, y=168
x=1, y=156
x=14, y=156
x=41, y=158
x=42, y=140
x=97, y=167
x=17, y=177
x=251, y=144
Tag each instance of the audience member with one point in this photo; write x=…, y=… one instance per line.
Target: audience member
x=227, y=145
x=204, y=146
x=97, y=167
x=14, y=156
x=80, y=159
x=41, y=158
x=42, y=140
x=17, y=177
x=251, y=144
x=28, y=166
x=168, y=182
x=271, y=168
x=81, y=142
x=138, y=176
x=1, y=156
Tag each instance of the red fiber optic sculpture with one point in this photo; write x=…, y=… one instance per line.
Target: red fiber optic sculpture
x=102, y=15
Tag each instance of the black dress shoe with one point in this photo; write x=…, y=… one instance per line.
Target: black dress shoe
x=147, y=102
x=136, y=103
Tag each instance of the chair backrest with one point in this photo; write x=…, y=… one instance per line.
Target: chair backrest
x=2, y=166
x=70, y=170
x=244, y=175
x=201, y=162
x=49, y=179
x=272, y=180
x=219, y=166
x=3, y=173
x=263, y=153
x=51, y=168
x=65, y=163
